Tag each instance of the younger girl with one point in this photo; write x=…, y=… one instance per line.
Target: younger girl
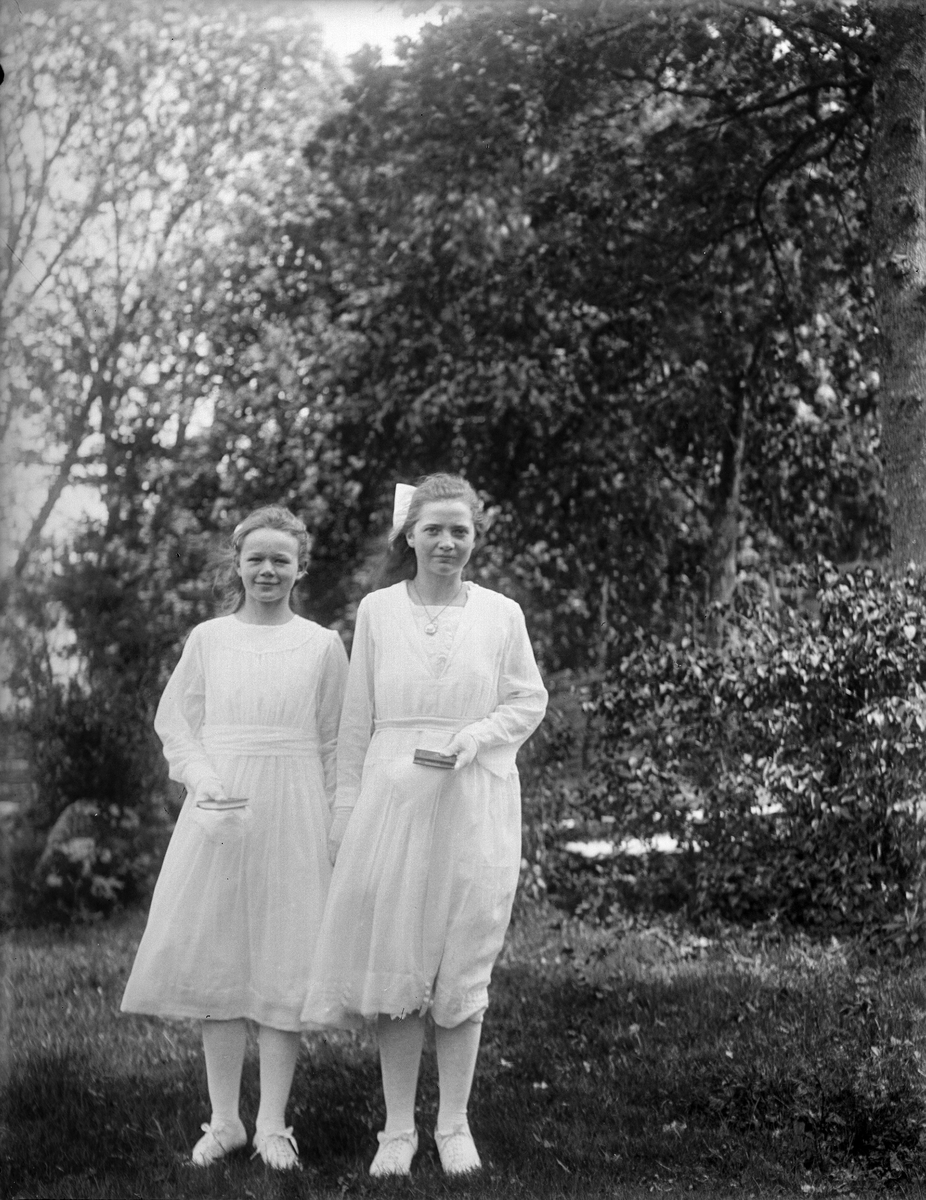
x=249, y=724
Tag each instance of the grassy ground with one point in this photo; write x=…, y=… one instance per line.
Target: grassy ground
x=642, y=1062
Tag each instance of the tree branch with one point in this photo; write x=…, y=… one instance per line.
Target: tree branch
x=799, y=19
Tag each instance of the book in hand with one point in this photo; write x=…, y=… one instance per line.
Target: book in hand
x=431, y=758
x=223, y=805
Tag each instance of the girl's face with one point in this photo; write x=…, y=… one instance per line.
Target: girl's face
x=268, y=566
x=442, y=538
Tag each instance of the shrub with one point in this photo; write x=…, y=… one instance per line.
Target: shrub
x=549, y=766
x=93, y=836
x=91, y=640
x=787, y=761
x=96, y=858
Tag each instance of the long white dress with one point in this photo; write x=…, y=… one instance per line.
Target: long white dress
x=238, y=903
x=424, y=883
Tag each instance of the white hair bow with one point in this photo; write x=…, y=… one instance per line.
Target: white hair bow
x=400, y=506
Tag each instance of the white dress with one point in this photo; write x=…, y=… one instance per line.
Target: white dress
x=236, y=910
x=425, y=878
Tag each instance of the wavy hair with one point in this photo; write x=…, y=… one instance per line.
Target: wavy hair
x=272, y=516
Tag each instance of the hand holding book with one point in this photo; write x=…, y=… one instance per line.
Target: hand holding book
x=431, y=758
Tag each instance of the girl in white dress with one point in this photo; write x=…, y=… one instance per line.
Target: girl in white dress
x=249, y=724
x=425, y=877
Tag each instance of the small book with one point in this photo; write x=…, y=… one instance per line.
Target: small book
x=222, y=805
x=431, y=758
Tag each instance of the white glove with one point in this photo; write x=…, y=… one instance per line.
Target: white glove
x=336, y=832
x=464, y=746
x=209, y=789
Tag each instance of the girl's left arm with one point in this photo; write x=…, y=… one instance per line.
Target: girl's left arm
x=330, y=700
x=522, y=702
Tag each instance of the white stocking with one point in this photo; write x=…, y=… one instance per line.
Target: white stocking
x=279, y=1049
x=400, y=1042
x=457, y=1049
x=223, y=1046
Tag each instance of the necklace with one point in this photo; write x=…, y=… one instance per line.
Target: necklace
x=431, y=627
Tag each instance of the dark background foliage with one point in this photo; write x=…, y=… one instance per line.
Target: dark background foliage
x=788, y=764
x=611, y=262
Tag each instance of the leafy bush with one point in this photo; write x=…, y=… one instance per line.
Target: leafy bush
x=550, y=765
x=90, y=647
x=787, y=761
x=95, y=859
x=93, y=836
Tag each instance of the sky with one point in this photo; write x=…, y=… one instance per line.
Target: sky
x=349, y=24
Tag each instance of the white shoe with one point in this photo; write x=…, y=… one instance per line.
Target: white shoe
x=395, y=1153
x=457, y=1150
x=278, y=1149
x=217, y=1142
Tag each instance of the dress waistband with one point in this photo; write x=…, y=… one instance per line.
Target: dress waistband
x=452, y=723
x=257, y=740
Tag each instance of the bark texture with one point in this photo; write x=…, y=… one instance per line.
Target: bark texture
x=723, y=552
x=898, y=231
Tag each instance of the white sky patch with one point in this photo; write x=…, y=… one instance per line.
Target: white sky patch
x=348, y=25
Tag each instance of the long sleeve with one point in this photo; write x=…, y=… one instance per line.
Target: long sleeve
x=522, y=702
x=330, y=702
x=358, y=714
x=179, y=719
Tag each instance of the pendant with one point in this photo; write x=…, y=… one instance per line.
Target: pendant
x=431, y=628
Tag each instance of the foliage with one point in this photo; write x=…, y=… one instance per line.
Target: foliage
x=546, y=765
x=608, y=259
x=148, y=149
x=555, y=247
x=142, y=145
x=92, y=837
x=788, y=761
x=112, y=863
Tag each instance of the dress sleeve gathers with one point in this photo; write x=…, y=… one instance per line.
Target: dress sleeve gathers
x=331, y=686
x=179, y=718
x=522, y=702
x=357, y=714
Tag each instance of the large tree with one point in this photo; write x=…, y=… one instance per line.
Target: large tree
x=152, y=167
x=898, y=243
x=611, y=262
x=141, y=144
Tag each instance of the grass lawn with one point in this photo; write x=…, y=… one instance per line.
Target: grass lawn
x=638, y=1062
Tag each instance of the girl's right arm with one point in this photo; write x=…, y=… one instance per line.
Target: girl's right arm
x=179, y=719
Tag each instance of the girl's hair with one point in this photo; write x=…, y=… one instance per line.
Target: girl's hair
x=271, y=516
x=400, y=561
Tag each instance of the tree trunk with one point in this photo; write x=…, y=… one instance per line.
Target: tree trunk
x=898, y=245
x=61, y=479
x=722, y=557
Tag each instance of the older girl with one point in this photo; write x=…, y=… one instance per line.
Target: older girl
x=249, y=725
x=425, y=878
